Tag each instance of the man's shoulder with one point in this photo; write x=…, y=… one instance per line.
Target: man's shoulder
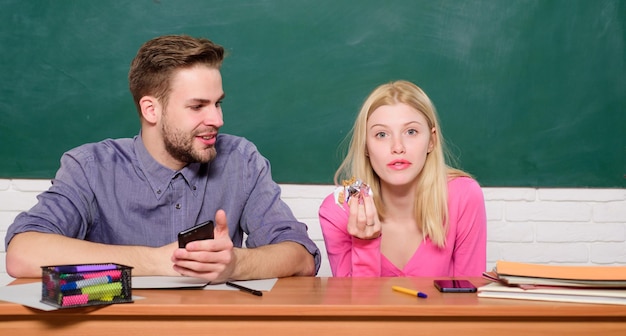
x=103, y=148
x=229, y=143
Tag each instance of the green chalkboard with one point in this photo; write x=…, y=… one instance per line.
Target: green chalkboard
x=530, y=93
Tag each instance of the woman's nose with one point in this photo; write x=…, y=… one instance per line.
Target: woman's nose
x=397, y=147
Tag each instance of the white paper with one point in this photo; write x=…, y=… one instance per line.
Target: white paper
x=26, y=294
x=172, y=282
x=164, y=282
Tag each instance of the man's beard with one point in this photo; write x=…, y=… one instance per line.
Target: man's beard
x=180, y=147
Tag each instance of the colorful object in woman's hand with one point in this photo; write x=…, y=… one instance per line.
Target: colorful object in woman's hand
x=350, y=188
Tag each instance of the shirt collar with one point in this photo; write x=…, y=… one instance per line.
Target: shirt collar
x=159, y=176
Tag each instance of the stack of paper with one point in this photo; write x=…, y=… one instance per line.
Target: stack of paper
x=591, y=284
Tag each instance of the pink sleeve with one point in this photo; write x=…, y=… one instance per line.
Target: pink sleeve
x=470, y=248
x=348, y=256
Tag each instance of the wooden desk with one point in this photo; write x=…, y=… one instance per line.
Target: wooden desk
x=319, y=306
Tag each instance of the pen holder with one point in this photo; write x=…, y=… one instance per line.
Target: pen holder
x=67, y=286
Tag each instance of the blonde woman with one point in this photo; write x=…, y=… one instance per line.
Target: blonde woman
x=422, y=217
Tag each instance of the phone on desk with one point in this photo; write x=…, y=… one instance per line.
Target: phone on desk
x=455, y=286
x=201, y=231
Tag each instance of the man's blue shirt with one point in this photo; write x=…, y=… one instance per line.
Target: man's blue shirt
x=114, y=192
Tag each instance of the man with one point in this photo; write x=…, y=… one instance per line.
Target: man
x=125, y=200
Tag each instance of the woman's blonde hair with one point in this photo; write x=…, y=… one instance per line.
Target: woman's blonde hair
x=431, y=194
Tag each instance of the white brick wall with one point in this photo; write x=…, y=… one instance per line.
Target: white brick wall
x=558, y=226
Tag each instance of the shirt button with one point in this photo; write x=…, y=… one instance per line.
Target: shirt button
x=194, y=187
x=159, y=191
x=178, y=206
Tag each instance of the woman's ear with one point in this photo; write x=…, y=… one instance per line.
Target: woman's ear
x=149, y=110
x=433, y=139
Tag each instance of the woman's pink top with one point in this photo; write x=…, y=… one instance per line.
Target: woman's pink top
x=464, y=253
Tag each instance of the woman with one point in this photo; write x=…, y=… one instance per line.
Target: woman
x=421, y=217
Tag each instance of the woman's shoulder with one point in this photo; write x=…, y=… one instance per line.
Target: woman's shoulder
x=330, y=208
x=464, y=186
x=329, y=199
x=330, y=202
x=462, y=182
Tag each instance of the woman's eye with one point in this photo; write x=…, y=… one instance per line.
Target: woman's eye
x=412, y=132
x=381, y=134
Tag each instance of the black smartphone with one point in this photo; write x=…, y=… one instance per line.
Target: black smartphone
x=201, y=231
x=455, y=286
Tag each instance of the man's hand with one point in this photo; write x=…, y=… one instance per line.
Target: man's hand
x=210, y=259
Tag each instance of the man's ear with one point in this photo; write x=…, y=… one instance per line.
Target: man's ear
x=149, y=109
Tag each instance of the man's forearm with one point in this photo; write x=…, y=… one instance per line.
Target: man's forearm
x=28, y=251
x=273, y=261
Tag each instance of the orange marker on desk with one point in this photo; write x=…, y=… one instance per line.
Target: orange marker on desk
x=409, y=291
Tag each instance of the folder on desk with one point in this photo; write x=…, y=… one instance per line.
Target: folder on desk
x=588, y=284
x=588, y=272
x=524, y=274
x=561, y=294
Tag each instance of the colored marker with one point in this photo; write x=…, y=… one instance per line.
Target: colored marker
x=114, y=274
x=85, y=268
x=73, y=300
x=69, y=277
x=409, y=291
x=98, y=292
x=87, y=282
x=72, y=292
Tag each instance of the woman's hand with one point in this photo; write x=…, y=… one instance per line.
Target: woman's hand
x=363, y=222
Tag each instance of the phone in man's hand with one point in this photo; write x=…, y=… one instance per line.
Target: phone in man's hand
x=201, y=231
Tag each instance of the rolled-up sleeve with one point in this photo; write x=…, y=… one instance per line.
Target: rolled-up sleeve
x=266, y=218
x=65, y=208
